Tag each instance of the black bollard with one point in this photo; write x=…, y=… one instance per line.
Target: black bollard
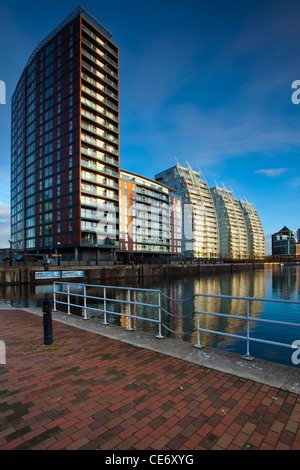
x=47, y=321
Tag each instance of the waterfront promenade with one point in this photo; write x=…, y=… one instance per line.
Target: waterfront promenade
x=92, y=391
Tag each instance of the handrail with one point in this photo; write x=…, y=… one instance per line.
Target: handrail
x=157, y=306
x=247, y=318
x=105, y=299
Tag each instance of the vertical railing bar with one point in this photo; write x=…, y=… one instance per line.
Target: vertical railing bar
x=84, y=303
x=129, y=328
x=68, y=297
x=159, y=335
x=247, y=355
x=54, y=298
x=105, y=322
x=198, y=345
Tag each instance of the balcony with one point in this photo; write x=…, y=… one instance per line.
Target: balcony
x=99, y=156
x=98, y=85
x=98, y=191
x=99, y=120
x=98, y=51
x=99, y=74
x=99, y=97
x=94, y=178
x=97, y=131
x=99, y=41
x=98, y=167
x=98, y=242
x=99, y=109
x=95, y=227
x=98, y=143
x=97, y=62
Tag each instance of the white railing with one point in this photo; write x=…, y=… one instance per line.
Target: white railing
x=248, y=319
x=128, y=299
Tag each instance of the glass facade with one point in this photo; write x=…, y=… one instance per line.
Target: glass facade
x=65, y=139
x=284, y=242
x=200, y=225
x=232, y=225
x=215, y=224
x=150, y=215
x=255, y=231
x=99, y=138
x=18, y=174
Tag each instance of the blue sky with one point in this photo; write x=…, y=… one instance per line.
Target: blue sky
x=208, y=83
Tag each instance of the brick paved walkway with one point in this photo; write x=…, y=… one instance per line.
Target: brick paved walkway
x=91, y=392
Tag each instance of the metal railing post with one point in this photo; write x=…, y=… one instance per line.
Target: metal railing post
x=84, y=303
x=68, y=297
x=198, y=345
x=247, y=355
x=105, y=322
x=54, y=297
x=159, y=336
x=128, y=328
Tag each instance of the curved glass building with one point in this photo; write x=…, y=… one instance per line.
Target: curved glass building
x=255, y=231
x=232, y=225
x=200, y=225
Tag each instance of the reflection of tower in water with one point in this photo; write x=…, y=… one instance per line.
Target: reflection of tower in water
x=127, y=309
x=239, y=284
x=286, y=281
x=206, y=285
x=179, y=299
x=180, y=305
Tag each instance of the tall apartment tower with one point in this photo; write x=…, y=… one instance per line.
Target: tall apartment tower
x=200, y=225
x=65, y=142
x=232, y=225
x=255, y=231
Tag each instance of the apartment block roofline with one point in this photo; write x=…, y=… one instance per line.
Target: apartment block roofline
x=180, y=166
x=147, y=179
x=78, y=11
x=283, y=230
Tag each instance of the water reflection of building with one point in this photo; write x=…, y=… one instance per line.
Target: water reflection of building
x=179, y=299
x=297, y=250
x=240, y=284
x=286, y=282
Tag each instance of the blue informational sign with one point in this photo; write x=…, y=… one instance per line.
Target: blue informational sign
x=72, y=274
x=48, y=275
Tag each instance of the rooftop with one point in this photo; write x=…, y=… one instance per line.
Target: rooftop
x=78, y=11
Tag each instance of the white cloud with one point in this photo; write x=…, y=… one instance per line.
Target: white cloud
x=272, y=171
x=4, y=212
x=4, y=234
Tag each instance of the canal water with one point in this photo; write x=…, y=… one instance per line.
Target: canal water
x=179, y=304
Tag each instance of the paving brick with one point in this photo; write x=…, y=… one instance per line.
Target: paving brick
x=91, y=392
x=61, y=444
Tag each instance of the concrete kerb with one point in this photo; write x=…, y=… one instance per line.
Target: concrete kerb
x=265, y=372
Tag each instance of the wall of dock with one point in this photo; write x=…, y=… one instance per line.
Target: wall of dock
x=14, y=275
